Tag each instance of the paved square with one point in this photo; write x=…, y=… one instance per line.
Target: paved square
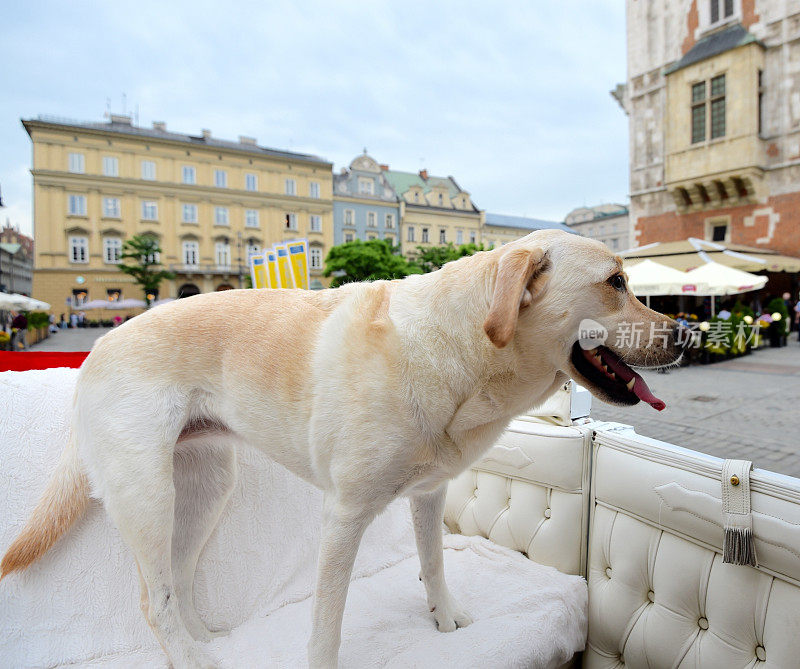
x=746, y=408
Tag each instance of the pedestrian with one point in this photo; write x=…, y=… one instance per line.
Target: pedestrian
x=19, y=331
x=73, y=320
x=81, y=319
x=53, y=327
x=62, y=323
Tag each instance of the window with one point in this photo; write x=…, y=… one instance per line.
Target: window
x=191, y=253
x=152, y=258
x=220, y=216
x=441, y=200
x=719, y=10
x=113, y=294
x=472, y=236
x=222, y=253
x=79, y=249
x=290, y=222
x=718, y=106
x=761, y=102
x=366, y=186
x=390, y=239
x=390, y=221
x=112, y=250
x=416, y=197
x=411, y=233
x=149, y=210
x=111, y=207
x=712, y=105
x=79, y=297
x=77, y=205
x=348, y=236
x=349, y=217
x=220, y=178
x=110, y=166
x=315, y=256
x=424, y=235
x=313, y=189
x=148, y=170
x=189, y=213
x=372, y=219
x=316, y=223
x=253, y=249
x=290, y=187
x=615, y=243
x=459, y=236
x=442, y=236
x=189, y=175
x=76, y=163
x=251, y=218
x=699, y=112
x=371, y=238
x=250, y=182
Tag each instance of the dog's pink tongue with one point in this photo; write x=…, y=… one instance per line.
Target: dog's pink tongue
x=641, y=391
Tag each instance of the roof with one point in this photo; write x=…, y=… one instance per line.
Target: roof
x=715, y=44
x=524, y=223
x=10, y=248
x=691, y=253
x=402, y=181
x=127, y=128
x=597, y=212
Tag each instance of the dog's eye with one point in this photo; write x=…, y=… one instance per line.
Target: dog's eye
x=617, y=281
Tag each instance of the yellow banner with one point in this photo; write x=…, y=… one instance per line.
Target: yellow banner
x=285, y=275
x=272, y=268
x=298, y=259
x=258, y=272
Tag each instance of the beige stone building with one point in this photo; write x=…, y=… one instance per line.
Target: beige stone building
x=500, y=229
x=433, y=210
x=209, y=203
x=608, y=223
x=713, y=98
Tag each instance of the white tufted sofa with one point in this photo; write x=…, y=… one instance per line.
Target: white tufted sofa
x=641, y=519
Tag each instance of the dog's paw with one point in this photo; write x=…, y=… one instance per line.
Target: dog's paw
x=450, y=615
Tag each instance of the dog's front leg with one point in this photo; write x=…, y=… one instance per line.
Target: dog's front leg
x=427, y=509
x=342, y=529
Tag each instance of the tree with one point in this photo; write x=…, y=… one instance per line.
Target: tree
x=432, y=258
x=144, y=251
x=366, y=261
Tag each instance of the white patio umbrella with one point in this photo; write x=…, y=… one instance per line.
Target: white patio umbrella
x=95, y=304
x=38, y=305
x=163, y=300
x=652, y=278
x=723, y=280
x=12, y=301
x=130, y=303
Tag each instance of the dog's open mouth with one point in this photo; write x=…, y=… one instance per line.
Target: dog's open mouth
x=604, y=368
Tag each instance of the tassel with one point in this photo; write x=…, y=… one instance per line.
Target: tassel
x=738, y=545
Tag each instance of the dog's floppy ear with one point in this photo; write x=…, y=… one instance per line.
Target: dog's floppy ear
x=520, y=275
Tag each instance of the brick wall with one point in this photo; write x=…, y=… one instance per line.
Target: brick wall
x=774, y=225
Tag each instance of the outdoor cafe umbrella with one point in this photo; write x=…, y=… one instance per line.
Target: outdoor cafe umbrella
x=651, y=278
x=12, y=301
x=95, y=304
x=724, y=280
x=130, y=303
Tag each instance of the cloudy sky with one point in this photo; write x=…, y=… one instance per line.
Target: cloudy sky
x=512, y=99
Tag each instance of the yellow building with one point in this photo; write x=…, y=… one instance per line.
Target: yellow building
x=434, y=211
x=209, y=203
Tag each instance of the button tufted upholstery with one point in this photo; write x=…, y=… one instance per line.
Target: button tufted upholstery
x=659, y=593
x=530, y=493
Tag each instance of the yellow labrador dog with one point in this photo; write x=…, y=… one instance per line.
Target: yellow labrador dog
x=379, y=389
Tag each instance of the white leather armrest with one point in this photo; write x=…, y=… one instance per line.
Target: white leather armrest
x=529, y=492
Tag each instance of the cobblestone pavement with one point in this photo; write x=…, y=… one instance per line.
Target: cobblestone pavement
x=746, y=408
x=78, y=339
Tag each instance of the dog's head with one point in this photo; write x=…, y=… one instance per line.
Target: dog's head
x=563, y=301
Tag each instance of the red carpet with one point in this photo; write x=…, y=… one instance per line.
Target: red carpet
x=12, y=361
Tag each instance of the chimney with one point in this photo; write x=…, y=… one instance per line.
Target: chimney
x=124, y=119
x=424, y=174
x=244, y=139
x=385, y=168
x=206, y=133
x=160, y=125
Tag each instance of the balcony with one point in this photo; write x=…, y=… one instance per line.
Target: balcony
x=223, y=270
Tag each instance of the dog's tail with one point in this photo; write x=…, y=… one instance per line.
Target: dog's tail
x=64, y=501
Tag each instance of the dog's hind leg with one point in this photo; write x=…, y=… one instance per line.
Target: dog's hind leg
x=204, y=475
x=130, y=463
